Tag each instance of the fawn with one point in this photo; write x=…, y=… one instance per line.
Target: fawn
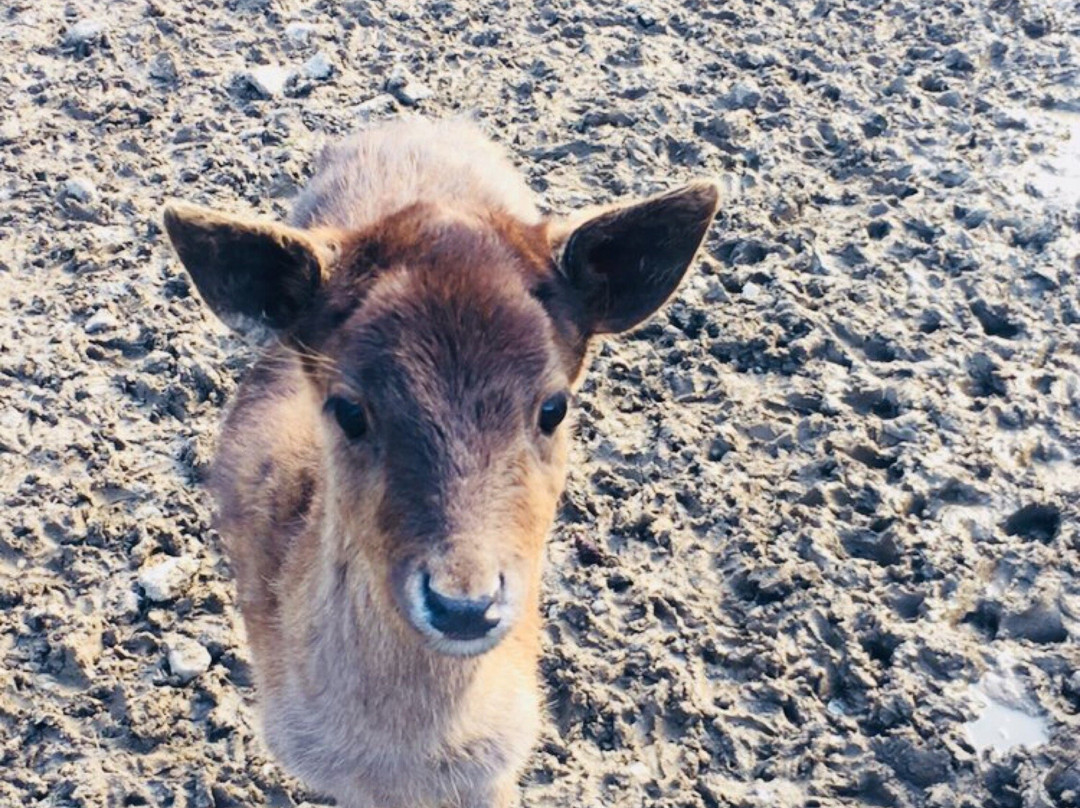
x=389, y=470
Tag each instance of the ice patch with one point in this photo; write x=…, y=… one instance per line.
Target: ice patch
x=1008, y=718
x=1001, y=728
x=1055, y=174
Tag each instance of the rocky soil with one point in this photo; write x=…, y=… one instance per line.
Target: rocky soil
x=824, y=511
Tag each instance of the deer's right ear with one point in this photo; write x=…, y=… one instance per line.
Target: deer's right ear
x=252, y=274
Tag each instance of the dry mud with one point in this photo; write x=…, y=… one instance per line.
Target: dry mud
x=823, y=507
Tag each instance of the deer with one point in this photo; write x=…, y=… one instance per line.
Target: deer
x=391, y=464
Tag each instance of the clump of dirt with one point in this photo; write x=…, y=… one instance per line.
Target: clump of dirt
x=820, y=496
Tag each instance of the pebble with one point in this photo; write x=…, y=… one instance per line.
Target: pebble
x=9, y=131
x=187, y=658
x=269, y=80
x=157, y=362
x=741, y=96
x=102, y=320
x=163, y=68
x=84, y=31
x=166, y=579
x=380, y=104
x=318, y=67
x=751, y=291
x=413, y=93
x=950, y=99
x=405, y=89
x=298, y=33
x=80, y=189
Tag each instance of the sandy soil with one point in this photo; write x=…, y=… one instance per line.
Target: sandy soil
x=824, y=513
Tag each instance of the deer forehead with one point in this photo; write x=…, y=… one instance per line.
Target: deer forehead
x=451, y=386
x=448, y=314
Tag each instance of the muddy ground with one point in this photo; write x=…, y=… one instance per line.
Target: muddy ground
x=824, y=509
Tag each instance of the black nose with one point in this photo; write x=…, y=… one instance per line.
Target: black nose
x=459, y=618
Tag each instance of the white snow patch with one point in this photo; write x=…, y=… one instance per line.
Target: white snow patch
x=1009, y=717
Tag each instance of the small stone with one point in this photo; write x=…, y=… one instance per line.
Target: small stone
x=298, y=33
x=9, y=131
x=875, y=125
x=753, y=59
x=80, y=189
x=1036, y=23
x=398, y=77
x=166, y=579
x=318, y=67
x=413, y=93
x=741, y=96
x=719, y=448
x=959, y=61
x=187, y=658
x=269, y=80
x=950, y=99
x=163, y=68
x=878, y=229
x=952, y=177
x=382, y=103
x=405, y=89
x=84, y=32
x=897, y=86
x=933, y=83
x=102, y=320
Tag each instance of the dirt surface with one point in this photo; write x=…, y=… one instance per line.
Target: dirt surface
x=825, y=507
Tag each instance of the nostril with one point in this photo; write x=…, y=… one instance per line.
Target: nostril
x=459, y=618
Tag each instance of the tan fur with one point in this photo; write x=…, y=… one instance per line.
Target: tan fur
x=351, y=701
x=441, y=305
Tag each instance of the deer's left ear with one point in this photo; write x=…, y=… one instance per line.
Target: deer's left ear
x=625, y=262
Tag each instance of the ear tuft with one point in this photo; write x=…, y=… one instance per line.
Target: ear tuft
x=252, y=274
x=626, y=262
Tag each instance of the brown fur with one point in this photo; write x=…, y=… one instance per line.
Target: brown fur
x=450, y=316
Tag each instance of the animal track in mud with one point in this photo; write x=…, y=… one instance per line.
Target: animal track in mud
x=882, y=403
x=995, y=320
x=1035, y=522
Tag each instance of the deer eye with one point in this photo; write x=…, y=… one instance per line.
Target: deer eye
x=552, y=412
x=350, y=416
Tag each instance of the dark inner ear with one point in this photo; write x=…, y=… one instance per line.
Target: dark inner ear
x=627, y=262
x=247, y=272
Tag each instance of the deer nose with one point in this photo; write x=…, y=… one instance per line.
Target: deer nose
x=461, y=618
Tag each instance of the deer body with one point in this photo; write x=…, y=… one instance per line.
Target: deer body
x=391, y=465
